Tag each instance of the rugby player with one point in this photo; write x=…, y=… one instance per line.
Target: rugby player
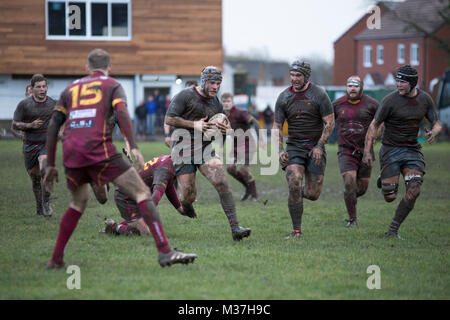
x=32, y=117
x=353, y=114
x=90, y=156
x=190, y=109
x=402, y=112
x=309, y=115
x=243, y=151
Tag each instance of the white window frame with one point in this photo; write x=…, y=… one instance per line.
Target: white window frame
x=380, y=57
x=400, y=47
x=414, y=54
x=89, y=36
x=367, y=56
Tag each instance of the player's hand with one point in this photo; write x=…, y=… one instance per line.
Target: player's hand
x=168, y=142
x=36, y=124
x=202, y=125
x=139, y=158
x=368, y=159
x=430, y=135
x=316, y=155
x=127, y=153
x=51, y=174
x=224, y=129
x=283, y=157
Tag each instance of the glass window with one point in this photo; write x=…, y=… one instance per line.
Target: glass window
x=119, y=19
x=380, y=54
x=56, y=17
x=414, y=54
x=99, y=19
x=77, y=19
x=367, y=59
x=88, y=20
x=401, y=53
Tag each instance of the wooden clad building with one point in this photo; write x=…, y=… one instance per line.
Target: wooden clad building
x=153, y=44
x=162, y=36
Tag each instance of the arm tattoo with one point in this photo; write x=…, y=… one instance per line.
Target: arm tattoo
x=327, y=128
x=179, y=122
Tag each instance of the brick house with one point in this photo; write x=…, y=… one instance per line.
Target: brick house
x=378, y=52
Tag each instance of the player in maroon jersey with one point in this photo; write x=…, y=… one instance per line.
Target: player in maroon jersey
x=159, y=176
x=32, y=116
x=90, y=156
x=242, y=153
x=353, y=114
x=402, y=111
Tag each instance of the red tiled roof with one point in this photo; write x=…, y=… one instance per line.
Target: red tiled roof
x=422, y=12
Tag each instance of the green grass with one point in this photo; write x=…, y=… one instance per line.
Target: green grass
x=330, y=262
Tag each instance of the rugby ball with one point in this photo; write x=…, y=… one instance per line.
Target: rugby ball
x=217, y=118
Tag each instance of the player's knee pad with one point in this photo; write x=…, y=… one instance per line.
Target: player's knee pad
x=389, y=190
x=413, y=183
x=413, y=179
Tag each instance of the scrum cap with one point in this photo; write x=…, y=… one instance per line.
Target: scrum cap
x=408, y=74
x=210, y=73
x=302, y=67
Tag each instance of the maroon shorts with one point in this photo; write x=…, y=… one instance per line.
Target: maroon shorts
x=350, y=162
x=99, y=173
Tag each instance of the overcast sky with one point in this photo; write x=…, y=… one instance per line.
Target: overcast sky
x=288, y=29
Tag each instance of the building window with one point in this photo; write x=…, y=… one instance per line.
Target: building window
x=414, y=54
x=380, y=54
x=401, y=53
x=367, y=53
x=98, y=20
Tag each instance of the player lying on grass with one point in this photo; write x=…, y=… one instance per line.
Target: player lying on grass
x=159, y=176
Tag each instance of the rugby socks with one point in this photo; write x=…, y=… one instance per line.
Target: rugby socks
x=296, y=212
x=37, y=190
x=151, y=218
x=239, y=177
x=226, y=199
x=402, y=211
x=68, y=224
x=350, y=203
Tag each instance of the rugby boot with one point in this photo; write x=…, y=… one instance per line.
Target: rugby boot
x=351, y=223
x=239, y=233
x=253, y=192
x=54, y=265
x=174, y=256
x=47, y=208
x=379, y=182
x=189, y=210
x=295, y=234
x=391, y=234
x=39, y=209
x=247, y=193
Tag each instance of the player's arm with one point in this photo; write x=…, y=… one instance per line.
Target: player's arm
x=319, y=148
x=17, y=124
x=57, y=120
x=171, y=194
x=167, y=138
x=278, y=128
x=199, y=125
x=126, y=127
x=371, y=137
x=435, y=129
x=433, y=118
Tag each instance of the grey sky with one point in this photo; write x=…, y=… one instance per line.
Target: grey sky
x=288, y=29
